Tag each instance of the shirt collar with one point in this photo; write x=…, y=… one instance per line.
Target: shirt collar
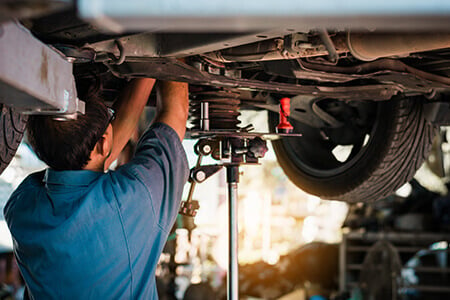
x=71, y=177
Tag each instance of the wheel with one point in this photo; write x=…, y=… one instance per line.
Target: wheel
x=12, y=128
x=386, y=143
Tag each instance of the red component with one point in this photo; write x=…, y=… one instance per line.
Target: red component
x=285, y=110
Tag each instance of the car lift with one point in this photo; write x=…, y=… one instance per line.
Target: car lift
x=232, y=149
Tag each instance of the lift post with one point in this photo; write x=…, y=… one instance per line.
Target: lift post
x=233, y=263
x=236, y=150
x=232, y=146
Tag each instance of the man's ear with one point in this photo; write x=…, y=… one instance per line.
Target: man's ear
x=103, y=146
x=107, y=141
x=100, y=146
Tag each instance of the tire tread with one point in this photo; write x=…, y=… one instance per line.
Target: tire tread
x=410, y=144
x=399, y=150
x=12, y=129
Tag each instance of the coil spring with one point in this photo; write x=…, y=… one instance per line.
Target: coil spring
x=223, y=109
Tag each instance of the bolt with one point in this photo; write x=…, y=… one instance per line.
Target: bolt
x=200, y=176
x=206, y=149
x=198, y=66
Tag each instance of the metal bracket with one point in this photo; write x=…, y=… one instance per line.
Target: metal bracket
x=201, y=173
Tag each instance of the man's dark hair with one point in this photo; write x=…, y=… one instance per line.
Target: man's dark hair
x=66, y=145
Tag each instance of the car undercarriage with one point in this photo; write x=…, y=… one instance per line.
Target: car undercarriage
x=366, y=98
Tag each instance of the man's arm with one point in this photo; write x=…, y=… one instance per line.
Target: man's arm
x=128, y=109
x=159, y=166
x=173, y=105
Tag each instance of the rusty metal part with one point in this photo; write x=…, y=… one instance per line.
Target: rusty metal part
x=223, y=109
x=172, y=69
x=157, y=44
x=387, y=71
x=329, y=45
x=370, y=46
x=290, y=47
x=369, y=69
x=365, y=46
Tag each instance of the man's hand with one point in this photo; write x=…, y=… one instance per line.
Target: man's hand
x=173, y=105
x=128, y=109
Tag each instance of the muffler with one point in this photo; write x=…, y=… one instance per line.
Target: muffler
x=373, y=45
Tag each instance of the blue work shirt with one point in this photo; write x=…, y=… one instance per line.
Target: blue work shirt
x=93, y=235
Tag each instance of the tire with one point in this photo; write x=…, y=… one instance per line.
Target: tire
x=399, y=141
x=12, y=128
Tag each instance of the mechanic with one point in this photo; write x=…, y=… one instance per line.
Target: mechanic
x=82, y=233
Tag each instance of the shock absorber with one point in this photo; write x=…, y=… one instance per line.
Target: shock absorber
x=214, y=110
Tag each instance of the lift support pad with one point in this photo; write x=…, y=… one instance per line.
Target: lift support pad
x=34, y=78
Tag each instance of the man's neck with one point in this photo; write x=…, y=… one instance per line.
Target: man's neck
x=96, y=166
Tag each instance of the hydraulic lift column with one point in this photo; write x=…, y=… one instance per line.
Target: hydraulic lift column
x=232, y=275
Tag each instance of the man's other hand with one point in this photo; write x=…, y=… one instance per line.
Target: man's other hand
x=173, y=105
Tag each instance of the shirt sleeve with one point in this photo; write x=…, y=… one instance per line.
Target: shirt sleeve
x=160, y=167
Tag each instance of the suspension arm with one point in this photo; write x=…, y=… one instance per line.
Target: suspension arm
x=172, y=69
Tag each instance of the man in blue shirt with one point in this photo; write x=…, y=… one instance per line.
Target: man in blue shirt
x=81, y=233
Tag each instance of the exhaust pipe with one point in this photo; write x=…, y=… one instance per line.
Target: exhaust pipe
x=365, y=46
x=371, y=46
